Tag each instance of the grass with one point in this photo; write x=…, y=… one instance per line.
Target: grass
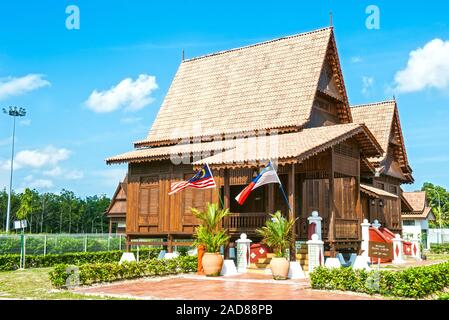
x=437, y=256
x=35, y=284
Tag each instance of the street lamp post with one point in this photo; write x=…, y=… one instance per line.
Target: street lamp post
x=13, y=112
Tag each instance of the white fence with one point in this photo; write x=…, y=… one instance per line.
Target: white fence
x=42, y=244
x=437, y=236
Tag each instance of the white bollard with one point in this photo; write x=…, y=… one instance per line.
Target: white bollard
x=365, y=238
x=295, y=271
x=127, y=257
x=398, y=250
x=315, y=252
x=315, y=218
x=243, y=252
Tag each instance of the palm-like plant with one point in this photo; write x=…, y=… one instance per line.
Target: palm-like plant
x=209, y=232
x=277, y=233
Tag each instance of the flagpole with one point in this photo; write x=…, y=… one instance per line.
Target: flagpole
x=285, y=196
x=282, y=188
x=218, y=188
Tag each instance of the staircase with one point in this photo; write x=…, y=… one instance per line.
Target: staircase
x=302, y=256
x=262, y=266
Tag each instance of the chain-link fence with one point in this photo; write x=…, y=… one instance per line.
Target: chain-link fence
x=38, y=244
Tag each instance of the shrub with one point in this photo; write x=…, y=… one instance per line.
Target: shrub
x=11, y=261
x=415, y=282
x=439, y=248
x=107, y=272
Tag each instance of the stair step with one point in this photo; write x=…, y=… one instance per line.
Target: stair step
x=264, y=260
x=262, y=265
x=259, y=271
x=300, y=256
x=271, y=255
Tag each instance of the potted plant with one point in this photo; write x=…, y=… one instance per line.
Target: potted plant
x=277, y=234
x=210, y=234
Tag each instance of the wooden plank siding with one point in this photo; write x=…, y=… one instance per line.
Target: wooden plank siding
x=326, y=182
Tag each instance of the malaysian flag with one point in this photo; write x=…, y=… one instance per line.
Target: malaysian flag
x=203, y=179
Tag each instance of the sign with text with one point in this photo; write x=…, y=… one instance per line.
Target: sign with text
x=380, y=250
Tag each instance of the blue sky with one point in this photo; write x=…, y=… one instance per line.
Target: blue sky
x=53, y=71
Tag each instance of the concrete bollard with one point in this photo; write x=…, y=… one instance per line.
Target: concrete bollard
x=243, y=252
x=398, y=250
x=315, y=218
x=315, y=252
x=365, y=238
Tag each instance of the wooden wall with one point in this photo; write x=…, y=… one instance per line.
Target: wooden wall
x=151, y=210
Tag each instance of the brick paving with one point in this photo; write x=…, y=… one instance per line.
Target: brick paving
x=241, y=287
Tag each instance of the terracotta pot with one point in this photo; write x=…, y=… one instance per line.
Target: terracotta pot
x=279, y=268
x=212, y=264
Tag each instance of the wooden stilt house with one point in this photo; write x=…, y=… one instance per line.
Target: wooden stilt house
x=282, y=100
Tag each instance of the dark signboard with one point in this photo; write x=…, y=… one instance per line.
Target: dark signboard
x=380, y=250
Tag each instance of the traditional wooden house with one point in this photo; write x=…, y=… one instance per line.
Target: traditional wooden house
x=116, y=212
x=282, y=100
x=381, y=177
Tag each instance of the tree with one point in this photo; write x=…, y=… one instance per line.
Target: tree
x=438, y=199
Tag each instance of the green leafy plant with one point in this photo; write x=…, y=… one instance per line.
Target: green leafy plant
x=11, y=261
x=277, y=233
x=413, y=282
x=108, y=272
x=210, y=233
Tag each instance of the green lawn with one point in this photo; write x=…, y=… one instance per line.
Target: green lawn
x=34, y=284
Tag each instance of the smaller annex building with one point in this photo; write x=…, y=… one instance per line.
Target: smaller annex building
x=116, y=212
x=415, y=222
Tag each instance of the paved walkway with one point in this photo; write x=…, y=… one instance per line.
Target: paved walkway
x=241, y=287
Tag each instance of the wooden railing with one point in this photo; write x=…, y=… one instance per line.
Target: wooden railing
x=302, y=227
x=244, y=222
x=347, y=228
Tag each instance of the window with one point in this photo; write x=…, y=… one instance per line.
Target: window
x=408, y=222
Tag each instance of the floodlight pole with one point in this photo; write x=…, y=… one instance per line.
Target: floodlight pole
x=13, y=112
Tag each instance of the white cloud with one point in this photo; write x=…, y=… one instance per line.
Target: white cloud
x=25, y=122
x=12, y=86
x=49, y=156
x=356, y=59
x=74, y=175
x=40, y=184
x=110, y=177
x=427, y=67
x=65, y=174
x=131, y=120
x=132, y=95
x=6, y=141
x=367, y=84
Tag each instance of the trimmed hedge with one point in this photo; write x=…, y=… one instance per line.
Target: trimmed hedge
x=87, y=274
x=439, y=248
x=10, y=262
x=414, y=282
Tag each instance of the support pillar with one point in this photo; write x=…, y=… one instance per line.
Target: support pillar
x=227, y=189
x=332, y=236
x=292, y=212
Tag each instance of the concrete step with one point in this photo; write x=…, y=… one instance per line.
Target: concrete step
x=259, y=270
x=264, y=260
x=261, y=265
x=300, y=256
x=271, y=255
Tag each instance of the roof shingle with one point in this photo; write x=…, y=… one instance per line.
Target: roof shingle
x=266, y=85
